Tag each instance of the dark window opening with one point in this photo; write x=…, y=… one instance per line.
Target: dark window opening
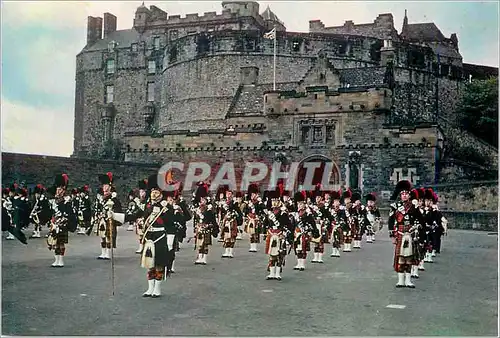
x=375, y=51
x=445, y=70
x=250, y=44
x=173, y=55
x=296, y=46
x=203, y=44
x=342, y=48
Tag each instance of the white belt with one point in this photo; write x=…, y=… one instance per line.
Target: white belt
x=155, y=229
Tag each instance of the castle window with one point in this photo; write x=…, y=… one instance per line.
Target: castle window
x=156, y=43
x=110, y=66
x=110, y=94
x=151, y=67
x=330, y=134
x=342, y=48
x=296, y=46
x=151, y=91
x=173, y=35
x=111, y=46
x=250, y=44
x=134, y=47
x=445, y=70
x=304, y=137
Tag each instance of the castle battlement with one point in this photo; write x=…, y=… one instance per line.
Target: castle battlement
x=382, y=27
x=195, y=17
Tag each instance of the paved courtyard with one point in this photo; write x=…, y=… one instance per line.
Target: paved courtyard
x=353, y=295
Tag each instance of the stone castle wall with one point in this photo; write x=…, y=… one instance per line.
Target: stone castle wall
x=188, y=94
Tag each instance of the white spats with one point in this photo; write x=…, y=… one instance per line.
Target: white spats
x=335, y=252
x=36, y=234
x=297, y=267
x=253, y=247
x=396, y=306
x=103, y=254
x=320, y=258
x=139, y=250
x=301, y=264
x=58, y=262
x=428, y=257
x=369, y=239
x=347, y=247
x=421, y=266
x=277, y=273
x=130, y=227
x=414, y=271
x=272, y=273
x=199, y=260
x=81, y=231
x=401, y=280
x=408, y=282
x=228, y=253
x=357, y=244
x=151, y=287
x=157, y=289
x=204, y=259
x=433, y=253
x=10, y=236
x=315, y=258
x=172, y=270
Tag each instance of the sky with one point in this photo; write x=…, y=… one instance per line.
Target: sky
x=40, y=41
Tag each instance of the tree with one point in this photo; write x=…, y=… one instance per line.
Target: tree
x=479, y=110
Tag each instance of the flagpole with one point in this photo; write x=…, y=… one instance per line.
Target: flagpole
x=274, y=60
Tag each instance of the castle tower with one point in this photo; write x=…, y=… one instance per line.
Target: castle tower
x=242, y=8
x=272, y=20
x=405, y=24
x=142, y=16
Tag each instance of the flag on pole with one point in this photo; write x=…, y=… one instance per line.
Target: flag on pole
x=271, y=34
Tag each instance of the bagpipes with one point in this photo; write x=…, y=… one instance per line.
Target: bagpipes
x=148, y=252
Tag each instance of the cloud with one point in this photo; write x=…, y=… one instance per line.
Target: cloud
x=26, y=129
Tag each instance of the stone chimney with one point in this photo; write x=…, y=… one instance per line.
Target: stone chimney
x=94, y=30
x=109, y=24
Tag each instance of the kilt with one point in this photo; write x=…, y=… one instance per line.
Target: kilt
x=109, y=234
x=412, y=260
x=306, y=245
x=161, y=250
x=61, y=238
x=207, y=238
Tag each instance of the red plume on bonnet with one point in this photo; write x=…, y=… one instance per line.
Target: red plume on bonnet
x=281, y=188
x=110, y=176
x=66, y=179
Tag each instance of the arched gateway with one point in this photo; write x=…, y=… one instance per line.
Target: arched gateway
x=333, y=175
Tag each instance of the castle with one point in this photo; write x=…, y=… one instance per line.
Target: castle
x=200, y=88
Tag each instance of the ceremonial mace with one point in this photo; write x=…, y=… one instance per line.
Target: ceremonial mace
x=119, y=217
